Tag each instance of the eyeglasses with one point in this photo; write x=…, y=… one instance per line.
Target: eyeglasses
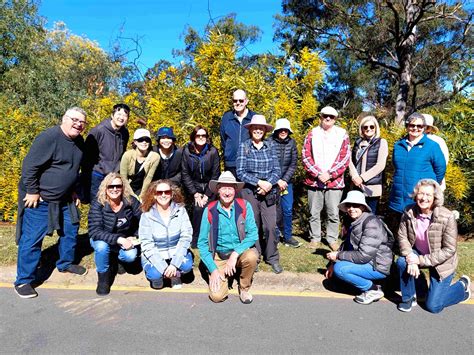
x=201, y=135
x=162, y=192
x=118, y=187
x=238, y=100
x=352, y=205
x=77, y=120
x=329, y=117
x=417, y=126
x=143, y=139
x=368, y=127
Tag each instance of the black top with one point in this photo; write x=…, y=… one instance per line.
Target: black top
x=169, y=168
x=136, y=181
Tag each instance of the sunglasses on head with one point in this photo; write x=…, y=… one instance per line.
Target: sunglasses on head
x=143, y=139
x=238, y=100
x=368, y=127
x=162, y=192
x=418, y=126
x=111, y=187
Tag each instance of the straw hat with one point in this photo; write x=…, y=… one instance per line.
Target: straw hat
x=225, y=178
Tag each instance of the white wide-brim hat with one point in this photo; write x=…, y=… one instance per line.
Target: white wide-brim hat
x=282, y=123
x=259, y=120
x=225, y=178
x=355, y=197
x=429, y=121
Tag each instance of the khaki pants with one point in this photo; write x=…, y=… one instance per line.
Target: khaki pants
x=247, y=262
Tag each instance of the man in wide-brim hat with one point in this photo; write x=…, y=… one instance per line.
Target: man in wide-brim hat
x=227, y=238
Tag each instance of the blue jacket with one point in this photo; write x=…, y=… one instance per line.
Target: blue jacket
x=232, y=134
x=424, y=161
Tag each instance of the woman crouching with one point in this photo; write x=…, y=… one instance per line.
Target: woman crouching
x=165, y=234
x=366, y=253
x=428, y=239
x=113, y=225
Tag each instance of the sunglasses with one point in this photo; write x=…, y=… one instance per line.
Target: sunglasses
x=162, y=192
x=329, y=117
x=368, y=127
x=238, y=100
x=417, y=126
x=201, y=135
x=352, y=205
x=143, y=139
x=118, y=187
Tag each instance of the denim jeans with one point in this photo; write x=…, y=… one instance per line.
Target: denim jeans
x=96, y=180
x=285, y=213
x=102, y=251
x=153, y=274
x=317, y=200
x=358, y=275
x=441, y=293
x=373, y=203
x=33, y=231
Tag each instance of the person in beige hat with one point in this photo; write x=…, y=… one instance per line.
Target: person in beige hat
x=226, y=239
x=431, y=131
x=326, y=155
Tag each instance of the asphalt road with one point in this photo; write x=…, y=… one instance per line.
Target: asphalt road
x=77, y=321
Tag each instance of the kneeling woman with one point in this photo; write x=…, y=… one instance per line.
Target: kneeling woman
x=113, y=226
x=165, y=234
x=366, y=253
x=428, y=239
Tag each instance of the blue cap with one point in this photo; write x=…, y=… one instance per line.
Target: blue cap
x=165, y=132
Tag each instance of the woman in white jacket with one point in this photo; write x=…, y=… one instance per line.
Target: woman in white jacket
x=165, y=234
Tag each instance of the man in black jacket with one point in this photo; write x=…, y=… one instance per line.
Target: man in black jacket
x=47, y=199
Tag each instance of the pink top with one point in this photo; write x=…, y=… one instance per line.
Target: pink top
x=421, y=230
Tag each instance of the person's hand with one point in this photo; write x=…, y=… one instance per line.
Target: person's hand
x=282, y=184
x=197, y=199
x=76, y=199
x=125, y=243
x=329, y=272
x=357, y=180
x=264, y=185
x=204, y=200
x=229, y=269
x=324, y=177
x=413, y=270
x=215, y=280
x=31, y=200
x=170, y=271
x=332, y=256
x=413, y=259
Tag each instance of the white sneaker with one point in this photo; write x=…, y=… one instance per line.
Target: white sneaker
x=369, y=296
x=176, y=283
x=466, y=281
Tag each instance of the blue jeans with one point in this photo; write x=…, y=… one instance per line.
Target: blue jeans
x=102, y=252
x=96, y=180
x=285, y=213
x=33, y=231
x=373, y=203
x=441, y=293
x=358, y=275
x=153, y=274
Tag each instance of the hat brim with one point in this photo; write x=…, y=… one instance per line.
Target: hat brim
x=342, y=206
x=280, y=128
x=434, y=129
x=213, y=185
x=268, y=127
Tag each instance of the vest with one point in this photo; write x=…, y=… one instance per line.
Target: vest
x=213, y=218
x=371, y=152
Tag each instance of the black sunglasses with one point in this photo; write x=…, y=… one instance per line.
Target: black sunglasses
x=368, y=127
x=238, y=100
x=111, y=187
x=143, y=139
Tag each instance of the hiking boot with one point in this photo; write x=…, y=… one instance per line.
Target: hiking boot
x=121, y=269
x=103, y=283
x=156, y=284
x=176, y=283
x=245, y=296
x=75, y=269
x=313, y=244
x=466, y=281
x=25, y=291
x=276, y=268
x=292, y=242
x=406, y=306
x=369, y=296
x=334, y=246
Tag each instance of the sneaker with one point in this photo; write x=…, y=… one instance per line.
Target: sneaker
x=292, y=242
x=156, y=284
x=176, y=283
x=121, y=269
x=75, y=269
x=369, y=296
x=466, y=281
x=245, y=296
x=276, y=268
x=313, y=244
x=406, y=306
x=25, y=291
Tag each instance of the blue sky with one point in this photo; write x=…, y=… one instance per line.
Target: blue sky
x=159, y=24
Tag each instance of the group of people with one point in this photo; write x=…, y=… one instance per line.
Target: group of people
x=238, y=217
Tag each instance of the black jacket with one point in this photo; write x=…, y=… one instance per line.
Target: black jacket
x=287, y=156
x=102, y=221
x=169, y=168
x=198, y=170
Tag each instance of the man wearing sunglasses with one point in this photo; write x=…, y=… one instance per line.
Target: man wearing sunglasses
x=232, y=129
x=105, y=146
x=326, y=155
x=47, y=200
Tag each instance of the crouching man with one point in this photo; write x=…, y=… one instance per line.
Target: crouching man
x=227, y=238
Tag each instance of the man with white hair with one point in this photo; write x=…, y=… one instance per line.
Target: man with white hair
x=326, y=155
